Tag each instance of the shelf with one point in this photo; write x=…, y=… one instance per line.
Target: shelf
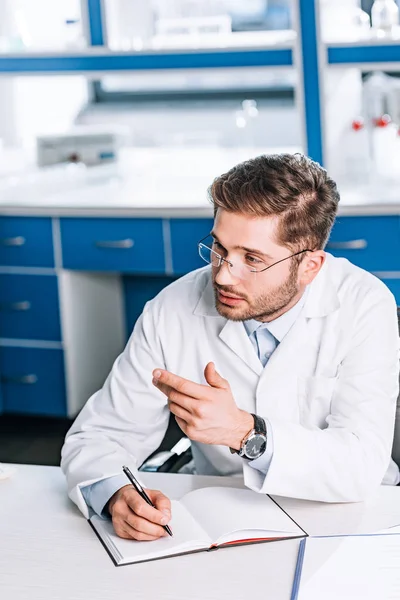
x=375, y=54
x=92, y=61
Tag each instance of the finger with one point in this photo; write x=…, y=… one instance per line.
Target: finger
x=214, y=379
x=186, y=402
x=165, y=389
x=143, y=526
x=189, y=388
x=180, y=412
x=162, y=503
x=182, y=424
x=140, y=507
x=124, y=530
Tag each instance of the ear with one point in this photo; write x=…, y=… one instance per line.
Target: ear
x=311, y=266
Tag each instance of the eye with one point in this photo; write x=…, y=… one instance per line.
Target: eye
x=252, y=260
x=219, y=247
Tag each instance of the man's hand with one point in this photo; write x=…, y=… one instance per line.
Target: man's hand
x=205, y=413
x=134, y=519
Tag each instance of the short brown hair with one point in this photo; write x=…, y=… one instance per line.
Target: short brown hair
x=292, y=186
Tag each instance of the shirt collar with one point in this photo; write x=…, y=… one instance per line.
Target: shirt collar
x=278, y=327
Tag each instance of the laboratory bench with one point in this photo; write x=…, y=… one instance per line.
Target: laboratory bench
x=76, y=270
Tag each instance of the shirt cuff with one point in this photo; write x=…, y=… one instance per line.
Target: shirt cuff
x=98, y=494
x=263, y=463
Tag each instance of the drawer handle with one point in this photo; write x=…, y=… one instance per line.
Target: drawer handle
x=350, y=245
x=13, y=241
x=128, y=243
x=16, y=306
x=24, y=379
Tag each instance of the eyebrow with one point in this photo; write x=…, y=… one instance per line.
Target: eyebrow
x=251, y=250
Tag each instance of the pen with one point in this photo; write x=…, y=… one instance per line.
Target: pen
x=142, y=493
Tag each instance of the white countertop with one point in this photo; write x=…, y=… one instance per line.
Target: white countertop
x=154, y=182
x=49, y=552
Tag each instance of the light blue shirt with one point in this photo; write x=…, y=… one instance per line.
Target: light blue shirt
x=265, y=338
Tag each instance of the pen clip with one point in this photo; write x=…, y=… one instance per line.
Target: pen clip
x=133, y=480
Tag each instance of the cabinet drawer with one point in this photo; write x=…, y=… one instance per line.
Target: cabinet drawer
x=26, y=242
x=32, y=381
x=372, y=243
x=29, y=307
x=185, y=234
x=125, y=245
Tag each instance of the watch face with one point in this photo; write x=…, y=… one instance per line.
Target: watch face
x=255, y=446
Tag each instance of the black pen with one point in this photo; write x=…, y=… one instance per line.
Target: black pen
x=142, y=493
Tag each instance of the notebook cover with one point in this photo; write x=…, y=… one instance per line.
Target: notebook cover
x=209, y=549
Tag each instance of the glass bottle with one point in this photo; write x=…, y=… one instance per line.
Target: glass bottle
x=384, y=16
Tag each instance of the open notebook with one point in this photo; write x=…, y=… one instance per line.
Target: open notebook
x=205, y=519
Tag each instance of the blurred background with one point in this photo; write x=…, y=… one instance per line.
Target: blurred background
x=116, y=115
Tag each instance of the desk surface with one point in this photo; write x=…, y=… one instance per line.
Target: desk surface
x=49, y=552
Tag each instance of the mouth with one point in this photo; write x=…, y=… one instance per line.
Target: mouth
x=229, y=299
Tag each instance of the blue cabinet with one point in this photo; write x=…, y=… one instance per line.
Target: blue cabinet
x=26, y=242
x=138, y=291
x=122, y=245
x=185, y=234
x=32, y=381
x=372, y=243
x=29, y=307
x=394, y=287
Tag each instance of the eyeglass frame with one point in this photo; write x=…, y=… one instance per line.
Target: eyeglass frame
x=229, y=263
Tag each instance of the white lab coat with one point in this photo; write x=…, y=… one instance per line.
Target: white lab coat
x=329, y=390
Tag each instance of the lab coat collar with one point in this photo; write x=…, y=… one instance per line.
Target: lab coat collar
x=322, y=299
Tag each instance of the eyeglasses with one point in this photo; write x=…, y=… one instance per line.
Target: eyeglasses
x=241, y=270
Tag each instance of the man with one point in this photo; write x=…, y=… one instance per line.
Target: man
x=277, y=360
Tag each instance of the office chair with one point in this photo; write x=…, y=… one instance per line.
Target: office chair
x=173, y=453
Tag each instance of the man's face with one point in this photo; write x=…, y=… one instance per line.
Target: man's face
x=262, y=296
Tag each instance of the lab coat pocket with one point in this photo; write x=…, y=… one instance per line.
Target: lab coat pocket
x=315, y=397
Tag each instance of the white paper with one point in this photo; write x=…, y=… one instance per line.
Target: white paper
x=187, y=535
x=222, y=511
x=363, y=567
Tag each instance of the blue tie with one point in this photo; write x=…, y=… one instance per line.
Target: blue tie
x=266, y=343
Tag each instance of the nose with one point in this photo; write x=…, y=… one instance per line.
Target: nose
x=223, y=275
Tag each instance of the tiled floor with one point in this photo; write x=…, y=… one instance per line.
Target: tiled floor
x=38, y=440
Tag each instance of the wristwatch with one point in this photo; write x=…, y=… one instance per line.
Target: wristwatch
x=255, y=443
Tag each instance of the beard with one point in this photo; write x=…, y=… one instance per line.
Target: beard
x=265, y=307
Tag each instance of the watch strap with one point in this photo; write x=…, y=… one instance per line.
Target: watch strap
x=259, y=427
x=259, y=424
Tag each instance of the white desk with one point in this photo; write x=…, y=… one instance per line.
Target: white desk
x=49, y=552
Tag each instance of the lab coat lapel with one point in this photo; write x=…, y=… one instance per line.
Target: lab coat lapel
x=290, y=357
x=235, y=337
x=232, y=333
x=298, y=351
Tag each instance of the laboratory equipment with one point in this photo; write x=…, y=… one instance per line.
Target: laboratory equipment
x=81, y=145
x=357, y=150
x=343, y=20
x=384, y=17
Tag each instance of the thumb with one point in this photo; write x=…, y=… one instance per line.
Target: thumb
x=213, y=378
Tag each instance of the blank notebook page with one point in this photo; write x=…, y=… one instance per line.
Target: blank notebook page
x=223, y=510
x=351, y=568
